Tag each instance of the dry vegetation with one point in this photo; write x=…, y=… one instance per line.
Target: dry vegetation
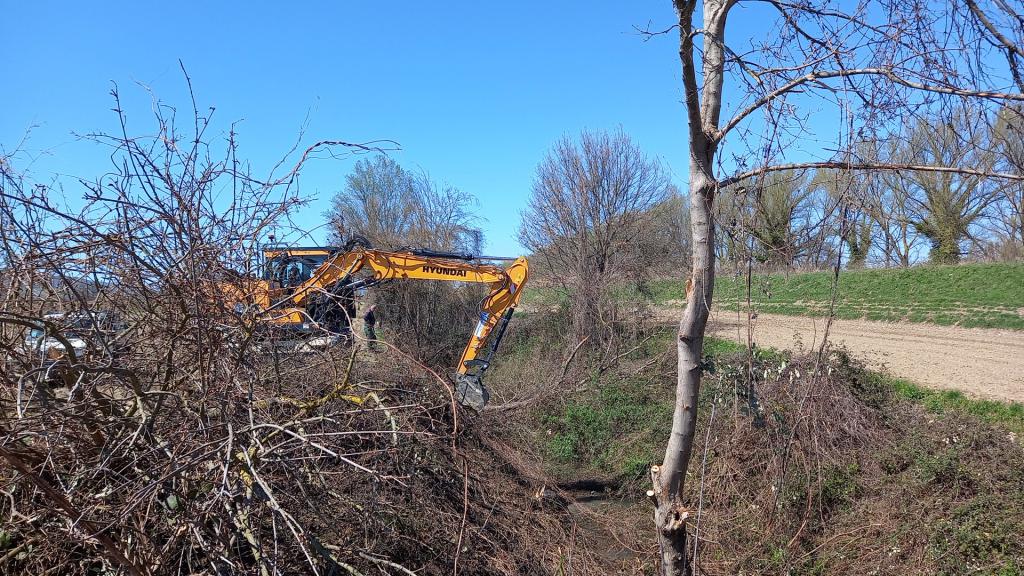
x=180, y=445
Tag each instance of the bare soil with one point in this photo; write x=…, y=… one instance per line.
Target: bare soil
x=981, y=362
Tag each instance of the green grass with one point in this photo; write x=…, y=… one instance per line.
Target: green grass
x=543, y=296
x=716, y=347
x=970, y=295
x=619, y=428
x=616, y=430
x=1009, y=415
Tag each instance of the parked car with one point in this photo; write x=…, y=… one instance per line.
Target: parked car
x=86, y=333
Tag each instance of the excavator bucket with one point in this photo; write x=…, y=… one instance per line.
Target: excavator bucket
x=470, y=392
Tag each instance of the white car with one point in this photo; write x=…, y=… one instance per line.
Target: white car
x=74, y=329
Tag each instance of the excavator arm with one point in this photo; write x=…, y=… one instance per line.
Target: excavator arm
x=506, y=285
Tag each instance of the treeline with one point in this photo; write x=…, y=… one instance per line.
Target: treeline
x=891, y=217
x=603, y=215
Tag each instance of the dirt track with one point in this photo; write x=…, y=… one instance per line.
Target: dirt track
x=984, y=363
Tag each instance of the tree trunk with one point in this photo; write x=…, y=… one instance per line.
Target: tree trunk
x=703, y=109
x=670, y=514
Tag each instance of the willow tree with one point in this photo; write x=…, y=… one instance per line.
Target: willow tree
x=872, y=63
x=946, y=206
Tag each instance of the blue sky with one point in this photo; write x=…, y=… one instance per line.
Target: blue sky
x=474, y=92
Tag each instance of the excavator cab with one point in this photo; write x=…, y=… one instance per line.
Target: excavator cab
x=286, y=268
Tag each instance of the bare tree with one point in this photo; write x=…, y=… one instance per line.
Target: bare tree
x=872, y=60
x=377, y=203
x=888, y=200
x=591, y=198
x=392, y=207
x=1000, y=23
x=445, y=217
x=782, y=218
x=662, y=247
x=857, y=236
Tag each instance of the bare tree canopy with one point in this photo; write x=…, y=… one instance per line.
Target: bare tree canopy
x=591, y=199
x=1008, y=224
x=945, y=206
x=392, y=207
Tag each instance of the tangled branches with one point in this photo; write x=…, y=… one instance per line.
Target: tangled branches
x=146, y=429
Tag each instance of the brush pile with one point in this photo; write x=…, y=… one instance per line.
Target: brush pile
x=148, y=427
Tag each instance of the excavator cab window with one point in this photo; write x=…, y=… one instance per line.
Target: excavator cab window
x=284, y=270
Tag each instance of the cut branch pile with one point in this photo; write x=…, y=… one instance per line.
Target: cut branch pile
x=162, y=434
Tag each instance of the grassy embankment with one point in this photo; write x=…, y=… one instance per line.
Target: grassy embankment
x=982, y=295
x=969, y=295
x=908, y=478
x=618, y=427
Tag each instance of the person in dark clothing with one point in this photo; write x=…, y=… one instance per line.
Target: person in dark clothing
x=369, y=323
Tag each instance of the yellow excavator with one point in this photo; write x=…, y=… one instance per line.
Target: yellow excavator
x=308, y=292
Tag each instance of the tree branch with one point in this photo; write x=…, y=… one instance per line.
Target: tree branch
x=839, y=165
x=885, y=72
